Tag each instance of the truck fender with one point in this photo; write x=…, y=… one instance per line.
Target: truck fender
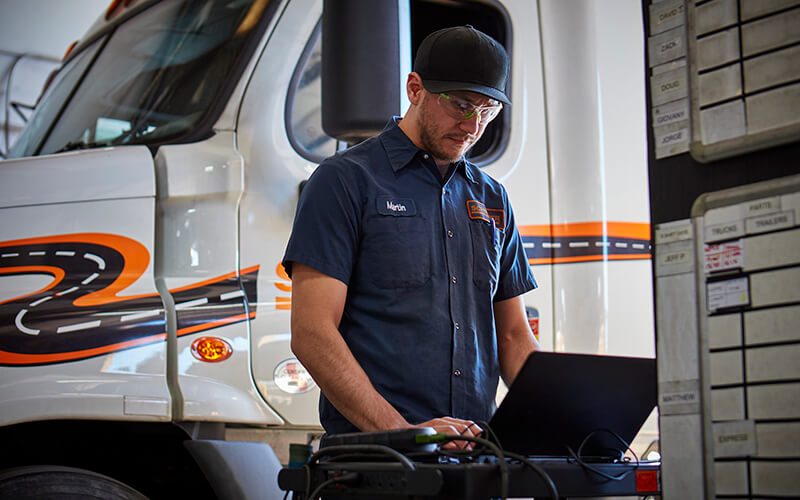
x=238, y=470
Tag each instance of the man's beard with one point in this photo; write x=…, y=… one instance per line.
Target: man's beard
x=430, y=135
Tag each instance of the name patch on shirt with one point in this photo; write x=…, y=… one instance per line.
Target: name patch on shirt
x=478, y=211
x=399, y=207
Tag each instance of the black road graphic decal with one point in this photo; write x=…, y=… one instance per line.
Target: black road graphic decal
x=80, y=314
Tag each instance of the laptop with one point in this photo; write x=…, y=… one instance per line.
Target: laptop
x=559, y=399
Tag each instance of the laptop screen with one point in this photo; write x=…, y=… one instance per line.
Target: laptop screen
x=560, y=399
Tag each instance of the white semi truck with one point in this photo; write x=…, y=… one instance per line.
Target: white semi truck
x=144, y=341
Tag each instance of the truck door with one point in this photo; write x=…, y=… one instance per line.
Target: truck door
x=81, y=316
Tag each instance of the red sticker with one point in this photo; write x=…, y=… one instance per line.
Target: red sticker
x=646, y=481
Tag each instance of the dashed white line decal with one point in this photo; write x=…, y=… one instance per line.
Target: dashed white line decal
x=78, y=326
x=48, y=326
x=550, y=244
x=232, y=295
x=140, y=315
x=64, y=292
x=621, y=245
x=601, y=243
x=192, y=303
x=21, y=327
x=43, y=299
x=638, y=246
x=578, y=244
x=528, y=245
x=101, y=264
x=90, y=279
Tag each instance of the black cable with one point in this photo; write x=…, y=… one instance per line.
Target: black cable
x=501, y=459
x=461, y=455
x=580, y=461
x=489, y=433
x=548, y=481
x=626, y=446
x=375, y=448
x=308, y=478
x=492, y=437
x=352, y=457
x=347, y=449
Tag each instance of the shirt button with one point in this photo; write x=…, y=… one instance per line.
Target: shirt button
x=449, y=234
x=458, y=327
x=454, y=280
x=457, y=373
x=425, y=156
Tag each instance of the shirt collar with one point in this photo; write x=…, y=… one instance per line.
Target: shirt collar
x=400, y=150
x=469, y=170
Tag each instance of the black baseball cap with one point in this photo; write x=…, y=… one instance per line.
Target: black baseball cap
x=463, y=58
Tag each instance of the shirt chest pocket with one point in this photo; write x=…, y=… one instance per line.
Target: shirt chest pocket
x=396, y=252
x=487, y=240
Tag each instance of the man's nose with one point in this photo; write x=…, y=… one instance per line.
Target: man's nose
x=471, y=125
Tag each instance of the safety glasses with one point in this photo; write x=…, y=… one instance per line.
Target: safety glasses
x=461, y=109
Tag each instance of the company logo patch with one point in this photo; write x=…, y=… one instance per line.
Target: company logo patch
x=399, y=207
x=478, y=211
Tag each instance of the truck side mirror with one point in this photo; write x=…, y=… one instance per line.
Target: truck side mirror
x=361, y=83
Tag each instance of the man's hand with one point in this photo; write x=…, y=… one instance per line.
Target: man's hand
x=455, y=427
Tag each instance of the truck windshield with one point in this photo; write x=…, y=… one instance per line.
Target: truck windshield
x=160, y=76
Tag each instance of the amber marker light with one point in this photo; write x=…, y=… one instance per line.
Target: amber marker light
x=211, y=349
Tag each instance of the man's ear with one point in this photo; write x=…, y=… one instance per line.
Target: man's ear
x=414, y=88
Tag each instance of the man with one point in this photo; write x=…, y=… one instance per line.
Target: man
x=407, y=268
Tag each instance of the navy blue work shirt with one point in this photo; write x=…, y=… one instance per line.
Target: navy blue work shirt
x=424, y=259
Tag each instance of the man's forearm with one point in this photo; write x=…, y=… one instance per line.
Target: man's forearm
x=317, y=305
x=513, y=353
x=515, y=340
x=326, y=356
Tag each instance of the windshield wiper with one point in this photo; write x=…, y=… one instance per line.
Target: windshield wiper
x=72, y=146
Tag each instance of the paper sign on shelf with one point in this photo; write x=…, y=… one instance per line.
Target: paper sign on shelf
x=730, y=293
x=723, y=256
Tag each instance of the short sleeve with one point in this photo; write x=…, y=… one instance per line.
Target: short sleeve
x=326, y=226
x=516, y=276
